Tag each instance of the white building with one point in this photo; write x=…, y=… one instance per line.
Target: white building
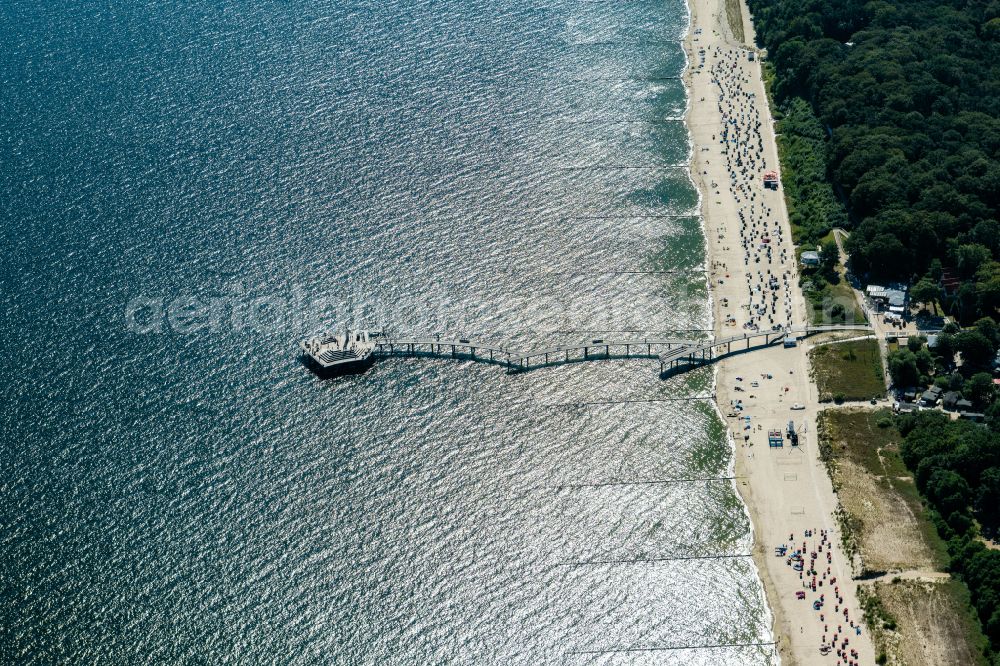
x=810, y=258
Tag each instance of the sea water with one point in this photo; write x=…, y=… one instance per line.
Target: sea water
x=191, y=188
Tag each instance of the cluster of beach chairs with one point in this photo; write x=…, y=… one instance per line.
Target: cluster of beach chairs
x=807, y=560
x=766, y=257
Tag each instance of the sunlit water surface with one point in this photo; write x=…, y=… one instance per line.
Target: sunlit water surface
x=506, y=171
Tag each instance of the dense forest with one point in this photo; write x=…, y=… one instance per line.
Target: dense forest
x=907, y=94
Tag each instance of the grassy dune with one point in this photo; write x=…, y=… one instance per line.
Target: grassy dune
x=848, y=371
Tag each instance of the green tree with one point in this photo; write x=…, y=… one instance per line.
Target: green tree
x=976, y=349
x=966, y=301
x=956, y=382
x=993, y=416
x=948, y=492
x=989, y=329
x=991, y=30
x=887, y=256
x=979, y=389
x=968, y=258
x=926, y=292
x=988, y=287
x=829, y=259
x=946, y=348
x=988, y=496
x=935, y=271
x=924, y=361
x=903, y=368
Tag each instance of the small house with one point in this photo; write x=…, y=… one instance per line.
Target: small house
x=810, y=258
x=951, y=399
x=950, y=282
x=930, y=396
x=891, y=299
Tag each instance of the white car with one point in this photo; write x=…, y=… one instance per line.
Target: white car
x=798, y=405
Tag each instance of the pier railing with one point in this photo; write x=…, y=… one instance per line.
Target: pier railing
x=673, y=354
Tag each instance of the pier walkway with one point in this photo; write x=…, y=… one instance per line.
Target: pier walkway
x=673, y=354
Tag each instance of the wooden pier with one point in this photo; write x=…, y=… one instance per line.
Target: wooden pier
x=673, y=354
x=462, y=348
x=713, y=350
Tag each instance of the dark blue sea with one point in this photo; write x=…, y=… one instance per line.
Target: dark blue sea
x=187, y=189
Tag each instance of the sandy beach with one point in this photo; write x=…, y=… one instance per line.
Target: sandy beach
x=754, y=283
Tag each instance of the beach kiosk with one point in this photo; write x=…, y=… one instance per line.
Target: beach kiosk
x=775, y=439
x=771, y=180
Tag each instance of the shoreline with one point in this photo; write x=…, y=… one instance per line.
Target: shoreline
x=784, y=491
x=734, y=468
